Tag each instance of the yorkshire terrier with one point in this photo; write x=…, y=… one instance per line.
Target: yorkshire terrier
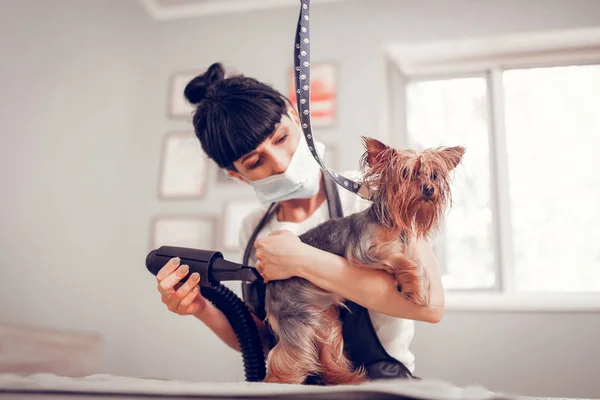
x=411, y=192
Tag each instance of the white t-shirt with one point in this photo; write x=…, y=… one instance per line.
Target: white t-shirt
x=395, y=334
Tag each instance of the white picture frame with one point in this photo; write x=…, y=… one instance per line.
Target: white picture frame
x=183, y=168
x=234, y=212
x=184, y=230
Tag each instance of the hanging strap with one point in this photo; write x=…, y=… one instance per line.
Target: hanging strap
x=254, y=293
x=302, y=85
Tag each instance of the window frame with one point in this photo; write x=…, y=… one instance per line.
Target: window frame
x=488, y=57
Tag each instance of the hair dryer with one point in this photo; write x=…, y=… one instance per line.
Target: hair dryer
x=213, y=268
x=211, y=265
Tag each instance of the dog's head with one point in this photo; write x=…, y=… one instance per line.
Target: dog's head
x=411, y=190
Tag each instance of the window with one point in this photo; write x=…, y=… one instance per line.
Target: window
x=454, y=112
x=552, y=118
x=525, y=218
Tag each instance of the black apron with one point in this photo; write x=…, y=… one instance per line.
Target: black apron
x=361, y=344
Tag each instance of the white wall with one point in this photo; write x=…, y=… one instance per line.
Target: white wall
x=82, y=115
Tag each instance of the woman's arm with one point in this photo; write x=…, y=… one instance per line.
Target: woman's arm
x=282, y=255
x=373, y=289
x=214, y=318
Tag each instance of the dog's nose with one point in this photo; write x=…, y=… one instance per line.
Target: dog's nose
x=428, y=190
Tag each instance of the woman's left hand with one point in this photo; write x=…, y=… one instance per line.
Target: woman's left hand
x=278, y=255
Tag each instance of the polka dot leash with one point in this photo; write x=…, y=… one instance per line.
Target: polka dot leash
x=302, y=85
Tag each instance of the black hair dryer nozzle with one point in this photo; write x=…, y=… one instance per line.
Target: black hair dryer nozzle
x=211, y=265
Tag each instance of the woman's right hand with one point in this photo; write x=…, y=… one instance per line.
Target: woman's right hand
x=182, y=299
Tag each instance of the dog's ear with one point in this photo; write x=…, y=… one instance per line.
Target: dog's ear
x=373, y=148
x=452, y=156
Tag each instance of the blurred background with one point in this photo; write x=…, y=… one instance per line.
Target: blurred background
x=99, y=166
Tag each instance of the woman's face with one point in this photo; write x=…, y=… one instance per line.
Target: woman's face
x=273, y=155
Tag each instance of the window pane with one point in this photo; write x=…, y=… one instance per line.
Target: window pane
x=553, y=134
x=449, y=113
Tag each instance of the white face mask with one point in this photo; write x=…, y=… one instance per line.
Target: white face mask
x=299, y=181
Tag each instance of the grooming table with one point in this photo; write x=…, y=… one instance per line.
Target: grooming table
x=43, y=386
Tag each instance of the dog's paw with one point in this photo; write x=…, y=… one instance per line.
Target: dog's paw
x=414, y=292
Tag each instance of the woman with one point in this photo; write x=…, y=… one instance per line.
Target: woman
x=253, y=132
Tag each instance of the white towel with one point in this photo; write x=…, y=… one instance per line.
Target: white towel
x=104, y=383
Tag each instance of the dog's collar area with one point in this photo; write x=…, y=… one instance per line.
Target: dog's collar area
x=365, y=193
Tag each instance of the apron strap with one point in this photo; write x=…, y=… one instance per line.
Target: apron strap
x=333, y=198
x=250, y=245
x=254, y=293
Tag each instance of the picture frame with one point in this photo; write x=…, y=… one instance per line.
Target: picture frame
x=323, y=93
x=183, y=168
x=232, y=216
x=197, y=231
x=177, y=105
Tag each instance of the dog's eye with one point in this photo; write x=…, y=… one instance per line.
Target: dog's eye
x=434, y=176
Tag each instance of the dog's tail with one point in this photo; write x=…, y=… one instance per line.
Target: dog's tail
x=296, y=354
x=311, y=346
x=336, y=368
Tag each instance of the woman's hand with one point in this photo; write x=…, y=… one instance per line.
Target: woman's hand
x=279, y=254
x=182, y=299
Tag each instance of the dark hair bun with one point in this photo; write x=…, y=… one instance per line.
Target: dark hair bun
x=197, y=89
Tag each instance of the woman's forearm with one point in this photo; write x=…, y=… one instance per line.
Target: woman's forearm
x=373, y=289
x=214, y=318
x=422, y=252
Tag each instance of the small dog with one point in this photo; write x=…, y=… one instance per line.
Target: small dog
x=411, y=193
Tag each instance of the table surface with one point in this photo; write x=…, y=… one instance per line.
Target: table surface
x=102, y=386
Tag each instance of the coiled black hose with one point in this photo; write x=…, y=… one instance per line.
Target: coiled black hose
x=245, y=329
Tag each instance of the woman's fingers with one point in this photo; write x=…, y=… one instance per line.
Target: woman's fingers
x=188, y=300
x=166, y=285
x=188, y=286
x=181, y=298
x=260, y=270
x=168, y=268
x=182, y=292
